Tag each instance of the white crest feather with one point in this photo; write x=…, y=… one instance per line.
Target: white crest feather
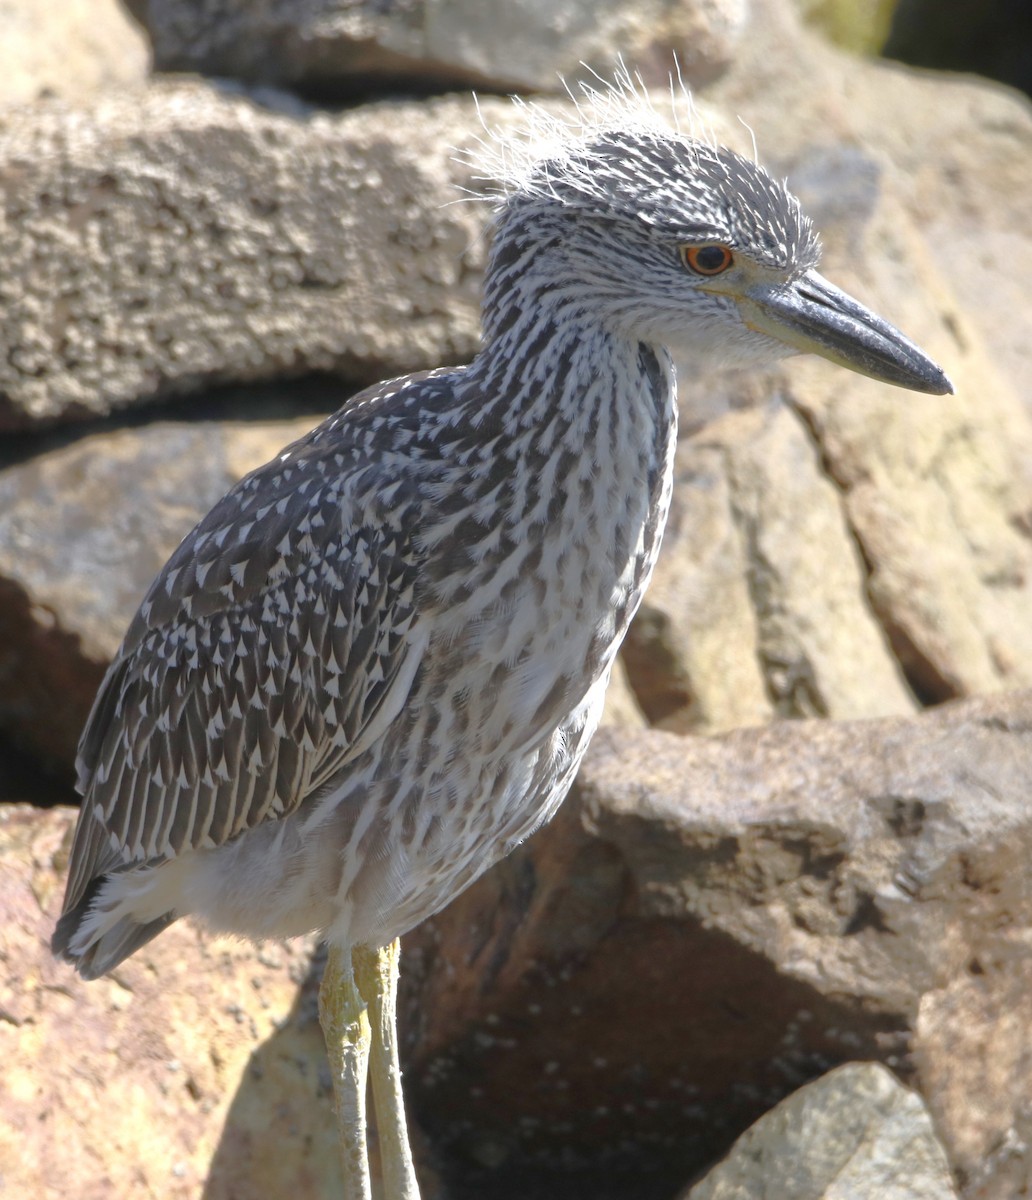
x=504, y=158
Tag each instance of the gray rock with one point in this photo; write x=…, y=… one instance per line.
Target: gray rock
x=178, y=236
x=853, y=1134
x=340, y=46
x=711, y=922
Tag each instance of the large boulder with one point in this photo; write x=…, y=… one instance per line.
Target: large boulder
x=711, y=922
x=759, y=606
x=166, y=239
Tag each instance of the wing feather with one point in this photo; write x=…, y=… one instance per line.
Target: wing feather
x=261, y=655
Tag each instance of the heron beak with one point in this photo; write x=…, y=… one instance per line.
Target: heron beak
x=815, y=317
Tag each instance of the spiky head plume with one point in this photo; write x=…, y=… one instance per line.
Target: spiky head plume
x=617, y=156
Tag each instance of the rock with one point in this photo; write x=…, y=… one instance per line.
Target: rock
x=711, y=922
x=937, y=491
x=329, y=48
x=84, y=529
x=974, y=1061
x=178, y=236
x=71, y=49
x=622, y=706
x=197, y=1068
x=853, y=1134
x=758, y=606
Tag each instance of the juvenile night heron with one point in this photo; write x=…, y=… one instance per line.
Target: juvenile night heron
x=373, y=668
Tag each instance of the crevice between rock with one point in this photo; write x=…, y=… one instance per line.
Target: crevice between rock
x=925, y=681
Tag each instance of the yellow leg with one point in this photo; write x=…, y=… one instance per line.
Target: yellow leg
x=345, y=1025
x=376, y=974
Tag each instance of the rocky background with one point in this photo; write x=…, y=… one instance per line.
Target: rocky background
x=779, y=940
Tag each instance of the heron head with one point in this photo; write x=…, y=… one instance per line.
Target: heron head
x=681, y=243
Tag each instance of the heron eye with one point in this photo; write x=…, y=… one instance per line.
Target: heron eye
x=707, y=260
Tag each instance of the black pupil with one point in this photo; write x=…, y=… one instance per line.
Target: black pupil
x=710, y=258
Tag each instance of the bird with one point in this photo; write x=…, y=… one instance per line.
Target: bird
x=374, y=667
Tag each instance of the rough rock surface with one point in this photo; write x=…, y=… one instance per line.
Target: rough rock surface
x=197, y=1069
x=711, y=922
x=178, y=236
x=330, y=47
x=622, y=708
x=853, y=1134
x=758, y=606
x=71, y=49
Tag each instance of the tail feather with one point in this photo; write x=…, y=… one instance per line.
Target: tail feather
x=94, y=937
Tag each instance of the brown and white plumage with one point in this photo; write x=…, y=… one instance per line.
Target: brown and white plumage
x=374, y=667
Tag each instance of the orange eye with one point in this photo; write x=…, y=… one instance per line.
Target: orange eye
x=707, y=260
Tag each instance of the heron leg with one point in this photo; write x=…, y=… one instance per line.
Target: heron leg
x=376, y=972
x=345, y=1024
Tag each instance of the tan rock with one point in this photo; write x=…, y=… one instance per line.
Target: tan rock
x=197, y=1068
x=622, y=708
x=822, y=651
x=937, y=501
x=693, y=651
x=759, y=606
x=936, y=491
x=710, y=922
x=71, y=49
x=853, y=1134
x=972, y=1048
